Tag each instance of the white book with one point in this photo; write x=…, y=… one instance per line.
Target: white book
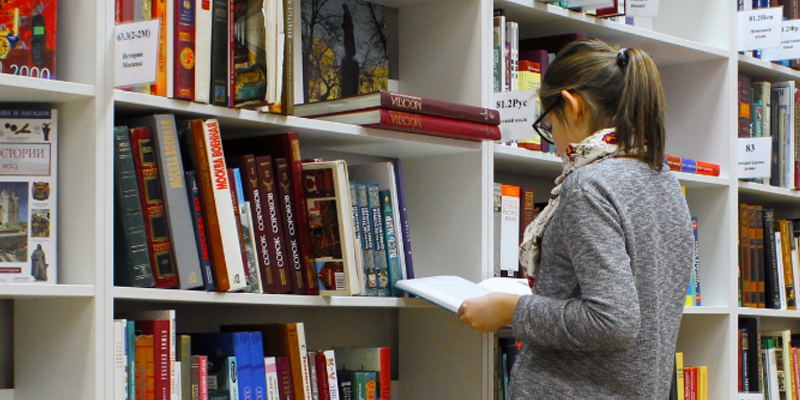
x=333, y=379
x=271, y=374
x=202, y=52
x=796, y=264
x=509, y=230
x=306, y=375
x=779, y=258
x=250, y=235
x=771, y=389
x=449, y=292
x=497, y=218
x=120, y=359
x=512, y=29
x=177, y=381
x=229, y=231
x=750, y=396
x=500, y=40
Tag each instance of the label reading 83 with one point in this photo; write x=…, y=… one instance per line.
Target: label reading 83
x=133, y=35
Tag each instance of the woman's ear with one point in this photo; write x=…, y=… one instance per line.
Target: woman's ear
x=574, y=106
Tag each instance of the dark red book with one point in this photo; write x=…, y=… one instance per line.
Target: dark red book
x=616, y=10
x=259, y=210
x=527, y=213
x=418, y=123
x=285, y=383
x=551, y=44
x=401, y=102
x=286, y=145
x=290, y=226
x=322, y=377
x=123, y=11
x=183, y=64
x=155, y=219
x=744, y=106
x=537, y=56
x=273, y=224
x=159, y=329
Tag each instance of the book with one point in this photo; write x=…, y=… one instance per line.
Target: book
x=379, y=240
x=224, y=381
x=785, y=233
x=783, y=360
x=497, y=224
x=754, y=364
x=392, y=261
x=175, y=194
x=355, y=210
x=220, y=44
x=333, y=379
x=201, y=238
x=202, y=51
x=401, y=102
x=145, y=367
x=405, y=229
x=344, y=58
x=271, y=375
x=744, y=106
x=770, y=360
x=250, y=55
x=368, y=359
x=330, y=216
x=312, y=375
x=367, y=242
x=284, y=373
x=691, y=166
x=273, y=239
x=498, y=48
x=772, y=288
x=252, y=269
x=131, y=256
x=759, y=247
x=258, y=368
x=449, y=292
x=744, y=254
x=184, y=367
x=291, y=229
x=153, y=209
x=322, y=375
x=162, y=324
x=418, y=123
x=509, y=230
x=160, y=331
x=130, y=337
x=183, y=34
x=29, y=47
x=120, y=359
x=228, y=344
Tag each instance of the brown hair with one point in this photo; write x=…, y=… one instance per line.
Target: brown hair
x=622, y=88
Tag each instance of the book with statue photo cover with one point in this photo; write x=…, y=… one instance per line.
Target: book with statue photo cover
x=449, y=292
x=28, y=196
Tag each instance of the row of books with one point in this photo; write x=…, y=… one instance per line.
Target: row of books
x=771, y=109
x=247, y=362
x=263, y=220
x=513, y=209
x=689, y=382
x=768, y=259
x=791, y=11
x=767, y=360
x=506, y=349
x=235, y=53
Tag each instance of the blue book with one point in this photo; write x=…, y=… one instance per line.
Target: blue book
x=257, y=366
x=367, y=242
x=379, y=240
x=203, y=250
x=405, y=233
x=229, y=344
x=392, y=261
x=130, y=338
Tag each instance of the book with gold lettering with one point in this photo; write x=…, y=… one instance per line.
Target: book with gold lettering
x=28, y=176
x=401, y=102
x=418, y=123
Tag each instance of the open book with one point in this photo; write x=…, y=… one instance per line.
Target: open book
x=449, y=292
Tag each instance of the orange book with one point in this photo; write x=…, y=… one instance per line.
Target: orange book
x=145, y=368
x=744, y=254
x=788, y=276
x=160, y=12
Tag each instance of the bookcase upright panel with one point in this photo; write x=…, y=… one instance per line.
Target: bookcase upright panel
x=711, y=22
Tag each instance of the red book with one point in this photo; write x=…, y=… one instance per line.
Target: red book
x=322, y=377
x=260, y=214
x=203, y=386
x=290, y=228
x=285, y=384
x=155, y=219
x=286, y=145
x=418, y=123
x=274, y=239
x=616, y=10
x=401, y=102
x=159, y=329
x=183, y=64
x=123, y=11
x=691, y=166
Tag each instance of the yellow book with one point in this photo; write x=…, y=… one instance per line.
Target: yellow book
x=702, y=383
x=679, y=372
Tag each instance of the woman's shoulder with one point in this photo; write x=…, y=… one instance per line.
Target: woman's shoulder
x=615, y=175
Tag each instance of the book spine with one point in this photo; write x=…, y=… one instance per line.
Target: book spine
x=772, y=289
x=202, y=51
x=304, y=227
x=760, y=257
x=274, y=240
x=297, y=345
x=219, y=53
x=184, y=53
x=156, y=226
x=251, y=269
x=744, y=253
x=379, y=251
x=176, y=201
x=120, y=359
x=436, y=126
x=244, y=366
x=233, y=5
x=370, y=385
x=696, y=272
x=130, y=337
x=159, y=88
x=393, y=264
x=290, y=226
x=135, y=268
x=354, y=210
x=248, y=167
x=161, y=355
x=360, y=385
x=385, y=376
x=509, y=230
x=313, y=375
x=333, y=379
x=427, y=106
x=497, y=224
x=526, y=213
x=288, y=95
x=788, y=276
x=185, y=366
x=145, y=367
x=322, y=376
x=201, y=239
x=346, y=387
x=286, y=386
x=744, y=106
x=405, y=230
x=203, y=385
x=194, y=374
x=368, y=241
x=271, y=375
x=258, y=369
x=754, y=272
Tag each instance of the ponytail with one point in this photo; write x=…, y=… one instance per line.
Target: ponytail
x=621, y=87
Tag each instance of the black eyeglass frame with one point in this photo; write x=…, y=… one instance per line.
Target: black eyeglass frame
x=545, y=132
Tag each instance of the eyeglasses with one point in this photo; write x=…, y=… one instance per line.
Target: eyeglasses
x=544, y=130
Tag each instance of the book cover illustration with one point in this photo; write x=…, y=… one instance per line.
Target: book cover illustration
x=28, y=38
x=250, y=54
x=28, y=196
x=344, y=49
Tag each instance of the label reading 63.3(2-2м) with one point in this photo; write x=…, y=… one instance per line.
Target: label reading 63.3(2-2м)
x=133, y=35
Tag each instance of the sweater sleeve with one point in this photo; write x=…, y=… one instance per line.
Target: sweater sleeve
x=605, y=315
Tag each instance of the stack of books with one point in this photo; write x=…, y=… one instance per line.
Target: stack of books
x=406, y=113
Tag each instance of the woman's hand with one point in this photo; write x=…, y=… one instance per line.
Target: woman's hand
x=489, y=313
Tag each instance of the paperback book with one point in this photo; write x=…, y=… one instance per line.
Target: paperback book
x=449, y=292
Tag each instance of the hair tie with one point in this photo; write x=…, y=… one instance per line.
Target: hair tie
x=622, y=57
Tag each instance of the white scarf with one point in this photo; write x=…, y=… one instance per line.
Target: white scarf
x=597, y=146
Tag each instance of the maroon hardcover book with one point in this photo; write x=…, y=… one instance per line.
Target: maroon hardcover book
x=285, y=384
x=418, y=123
x=322, y=376
x=273, y=224
x=286, y=145
x=538, y=56
x=744, y=106
x=249, y=171
x=290, y=223
x=153, y=210
x=183, y=64
x=617, y=10
x=551, y=44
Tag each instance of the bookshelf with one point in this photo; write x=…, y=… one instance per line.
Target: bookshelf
x=62, y=334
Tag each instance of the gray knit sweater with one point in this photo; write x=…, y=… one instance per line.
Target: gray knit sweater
x=604, y=317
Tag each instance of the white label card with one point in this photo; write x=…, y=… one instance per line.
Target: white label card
x=754, y=157
x=790, y=43
x=517, y=113
x=759, y=29
x=136, y=53
x=641, y=8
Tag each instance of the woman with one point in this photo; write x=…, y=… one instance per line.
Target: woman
x=612, y=251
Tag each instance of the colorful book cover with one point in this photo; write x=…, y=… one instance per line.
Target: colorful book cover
x=351, y=59
x=184, y=48
x=379, y=239
x=696, y=264
x=28, y=47
x=392, y=260
x=367, y=242
x=145, y=367
x=252, y=271
x=203, y=249
x=250, y=64
x=376, y=359
x=130, y=337
x=224, y=381
x=229, y=344
x=333, y=380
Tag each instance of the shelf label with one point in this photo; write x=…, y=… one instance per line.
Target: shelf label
x=136, y=53
x=759, y=29
x=790, y=43
x=518, y=110
x=754, y=157
x=641, y=8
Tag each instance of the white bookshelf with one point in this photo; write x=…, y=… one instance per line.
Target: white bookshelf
x=63, y=334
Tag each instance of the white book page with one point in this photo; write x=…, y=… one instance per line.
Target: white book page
x=449, y=292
